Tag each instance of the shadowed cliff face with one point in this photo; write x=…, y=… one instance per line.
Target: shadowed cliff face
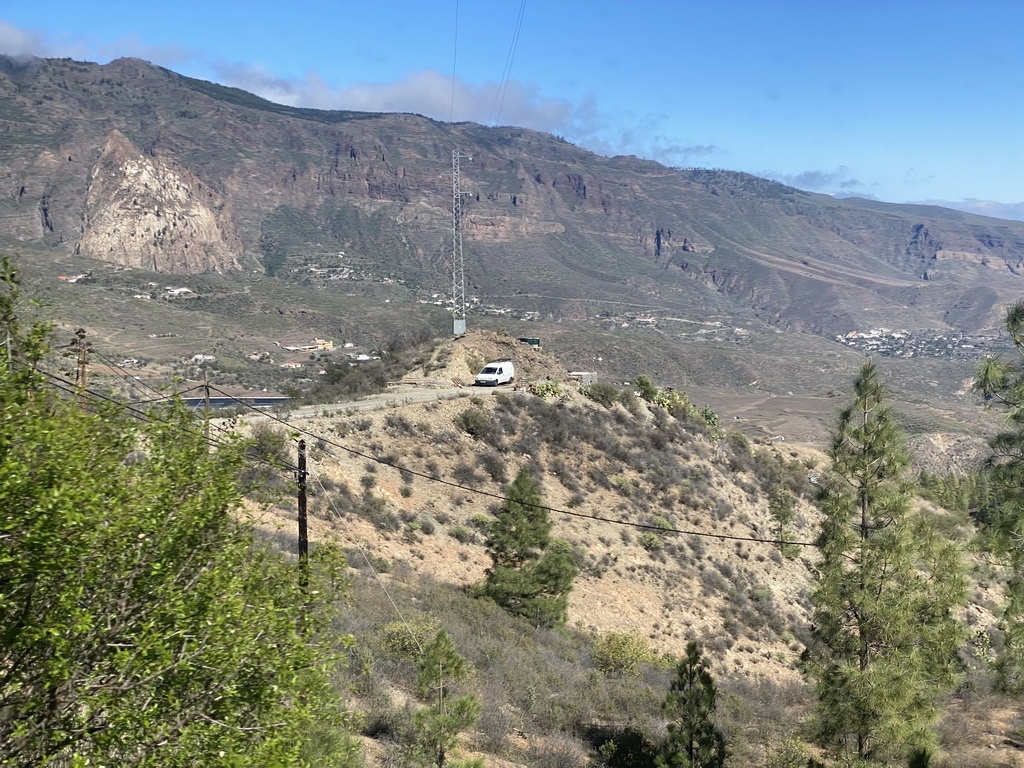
x=144, y=212
x=136, y=165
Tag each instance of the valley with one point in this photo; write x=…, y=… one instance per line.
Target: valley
x=714, y=323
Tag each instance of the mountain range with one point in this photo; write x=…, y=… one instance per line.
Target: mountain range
x=134, y=164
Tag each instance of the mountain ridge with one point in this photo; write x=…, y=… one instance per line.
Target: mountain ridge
x=285, y=187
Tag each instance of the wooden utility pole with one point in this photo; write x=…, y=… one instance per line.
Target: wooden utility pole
x=303, y=531
x=206, y=405
x=83, y=360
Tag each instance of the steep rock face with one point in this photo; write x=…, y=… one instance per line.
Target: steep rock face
x=145, y=212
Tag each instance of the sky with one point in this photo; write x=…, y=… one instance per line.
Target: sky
x=894, y=100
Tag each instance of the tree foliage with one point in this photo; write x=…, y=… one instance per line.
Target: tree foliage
x=531, y=574
x=140, y=624
x=622, y=653
x=884, y=634
x=1001, y=381
x=694, y=741
x=645, y=387
x=438, y=725
x=781, y=507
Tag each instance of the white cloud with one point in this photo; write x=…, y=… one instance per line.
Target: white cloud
x=983, y=207
x=430, y=93
x=18, y=42
x=426, y=92
x=164, y=55
x=838, y=181
x=15, y=41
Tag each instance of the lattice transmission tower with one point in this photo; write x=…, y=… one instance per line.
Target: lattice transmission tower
x=458, y=263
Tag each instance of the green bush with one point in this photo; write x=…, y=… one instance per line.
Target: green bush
x=603, y=393
x=618, y=653
x=405, y=640
x=475, y=423
x=545, y=389
x=645, y=388
x=650, y=541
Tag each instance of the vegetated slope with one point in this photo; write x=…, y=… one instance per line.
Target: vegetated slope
x=620, y=483
x=134, y=164
x=644, y=472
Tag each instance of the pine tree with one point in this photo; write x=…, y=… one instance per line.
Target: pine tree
x=1002, y=382
x=531, y=574
x=694, y=741
x=884, y=634
x=438, y=725
x=780, y=506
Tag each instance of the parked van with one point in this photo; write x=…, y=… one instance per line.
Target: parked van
x=495, y=373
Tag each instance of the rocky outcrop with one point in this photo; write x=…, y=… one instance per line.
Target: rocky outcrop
x=146, y=212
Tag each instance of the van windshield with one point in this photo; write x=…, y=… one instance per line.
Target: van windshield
x=489, y=369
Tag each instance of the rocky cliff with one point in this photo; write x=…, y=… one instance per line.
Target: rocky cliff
x=144, y=212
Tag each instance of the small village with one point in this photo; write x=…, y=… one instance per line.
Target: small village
x=887, y=342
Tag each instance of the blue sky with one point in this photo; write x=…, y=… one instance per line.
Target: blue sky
x=901, y=101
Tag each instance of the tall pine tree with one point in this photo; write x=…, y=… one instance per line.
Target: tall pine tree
x=885, y=637
x=531, y=573
x=694, y=741
x=1001, y=381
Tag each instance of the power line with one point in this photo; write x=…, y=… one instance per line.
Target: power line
x=162, y=396
x=455, y=59
x=499, y=97
x=131, y=380
x=369, y=564
x=489, y=494
x=70, y=388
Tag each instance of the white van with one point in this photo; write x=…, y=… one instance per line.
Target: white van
x=495, y=373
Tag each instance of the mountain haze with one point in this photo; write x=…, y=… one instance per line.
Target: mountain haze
x=136, y=165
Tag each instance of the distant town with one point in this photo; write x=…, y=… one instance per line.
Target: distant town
x=922, y=343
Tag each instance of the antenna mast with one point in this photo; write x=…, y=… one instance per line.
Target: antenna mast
x=458, y=270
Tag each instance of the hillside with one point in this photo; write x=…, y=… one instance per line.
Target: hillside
x=670, y=525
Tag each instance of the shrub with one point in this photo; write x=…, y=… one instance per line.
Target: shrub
x=630, y=401
x=623, y=485
x=545, y=389
x=464, y=474
x=650, y=541
x=399, y=424
x=404, y=640
x=645, y=388
x=374, y=509
x=475, y=423
x=661, y=523
x=494, y=465
x=617, y=653
x=602, y=393
x=675, y=402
